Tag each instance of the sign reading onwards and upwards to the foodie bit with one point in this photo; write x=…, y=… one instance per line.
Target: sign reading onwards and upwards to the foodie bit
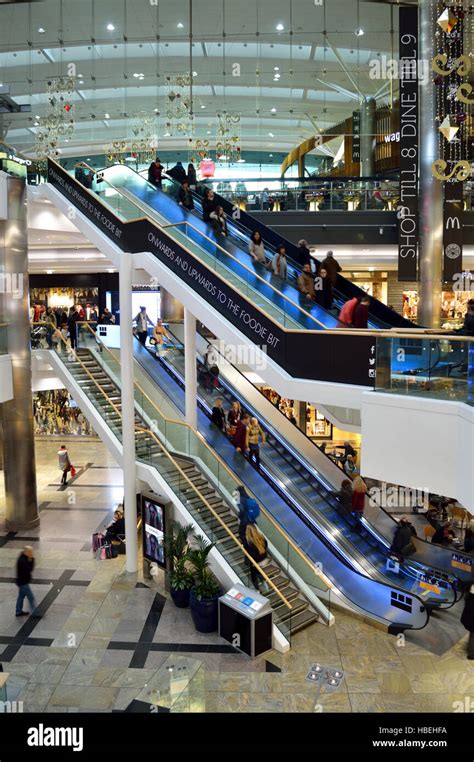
x=408, y=207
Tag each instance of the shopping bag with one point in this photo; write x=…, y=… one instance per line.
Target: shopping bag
x=73, y=471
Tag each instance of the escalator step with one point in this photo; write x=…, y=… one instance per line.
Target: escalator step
x=299, y=622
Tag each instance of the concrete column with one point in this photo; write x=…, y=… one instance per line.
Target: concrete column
x=367, y=137
x=430, y=189
x=17, y=414
x=171, y=308
x=128, y=412
x=190, y=376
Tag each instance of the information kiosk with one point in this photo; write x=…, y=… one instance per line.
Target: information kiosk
x=246, y=620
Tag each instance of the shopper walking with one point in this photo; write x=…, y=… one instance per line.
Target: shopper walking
x=254, y=436
x=467, y=620
x=155, y=172
x=142, y=321
x=256, y=248
x=185, y=197
x=72, y=322
x=279, y=264
x=24, y=569
x=51, y=325
x=359, y=488
x=218, y=415
x=64, y=463
x=332, y=267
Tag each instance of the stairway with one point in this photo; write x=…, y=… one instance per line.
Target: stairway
x=93, y=379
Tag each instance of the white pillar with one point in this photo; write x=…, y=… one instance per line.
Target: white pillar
x=190, y=377
x=128, y=412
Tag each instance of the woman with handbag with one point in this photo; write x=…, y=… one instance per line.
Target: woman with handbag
x=64, y=463
x=233, y=417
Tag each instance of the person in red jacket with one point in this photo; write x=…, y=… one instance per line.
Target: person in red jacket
x=359, y=489
x=360, y=316
x=345, y=315
x=240, y=438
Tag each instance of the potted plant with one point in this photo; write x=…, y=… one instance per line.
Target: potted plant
x=180, y=576
x=205, y=591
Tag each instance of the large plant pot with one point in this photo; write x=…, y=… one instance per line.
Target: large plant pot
x=204, y=613
x=180, y=597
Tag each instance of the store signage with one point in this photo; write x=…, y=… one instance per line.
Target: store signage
x=308, y=354
x=461, y=562
x=407, y=215
x=19, y=160
x=356, y=136
x=452, y=230
x=430, y=587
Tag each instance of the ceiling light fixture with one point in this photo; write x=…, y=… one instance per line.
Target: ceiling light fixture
x=276, y=68
x=279, y=27
x=180, y=25
x=195, y=73
x=359, y=32
x=273, y=110
x=49, y=272
x=271, y=135
x=110, y=27
x=107, y=116
x=41, y=30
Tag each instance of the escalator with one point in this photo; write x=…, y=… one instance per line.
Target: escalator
x=241, y=225
x=307, y=494
x=207, y=504
x=312, y=561
x=250, y=305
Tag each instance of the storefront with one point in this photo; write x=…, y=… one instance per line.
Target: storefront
x=453, y=307
x=373, y=282
x=56, y=413
x=62, y=290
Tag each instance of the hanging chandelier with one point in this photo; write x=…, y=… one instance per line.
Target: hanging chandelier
x=58, y=125
x=228, y=137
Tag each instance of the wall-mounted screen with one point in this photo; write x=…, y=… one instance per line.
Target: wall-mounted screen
x=153, y=518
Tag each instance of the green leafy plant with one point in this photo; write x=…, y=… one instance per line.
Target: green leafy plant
x=205, y=583
x=178, y=551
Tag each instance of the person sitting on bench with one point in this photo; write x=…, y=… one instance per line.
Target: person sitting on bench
x=116, y=530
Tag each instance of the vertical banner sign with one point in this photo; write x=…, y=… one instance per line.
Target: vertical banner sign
x=407, y=215
x=452, y=229
x=356, y=136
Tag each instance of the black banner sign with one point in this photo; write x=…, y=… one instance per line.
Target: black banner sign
x=408, y=207
x=313, y=355
x=452, y=230
x=356, y=136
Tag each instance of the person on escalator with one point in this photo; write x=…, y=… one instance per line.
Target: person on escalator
x=257, y=248
x=402, y=544
x=467, y=620
x=218, y=415
x=192, y=180
x=360, y=316
x=304, y=254
x=305, y=282
x=347, y=312
x=255, y=434
x=279, y=264
x=177, y=172
x=155, y=171
x=332, y=267
x=233, y=417
x=209, y=204
x=218, y=219
x=72, y=322
x=158, y=336
x=359, y=488
x=185, y=197
x=142, y=320
x=240, y=440
x=256, y=546
x=323, y=289
x=344, y=496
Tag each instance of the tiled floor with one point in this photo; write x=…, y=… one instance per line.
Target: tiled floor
x=104, y=634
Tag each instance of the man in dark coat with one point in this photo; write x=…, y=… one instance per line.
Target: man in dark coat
x=403, y=537
x=24, y=567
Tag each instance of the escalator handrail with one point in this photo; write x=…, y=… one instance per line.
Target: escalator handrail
x=216, y=456
x=330, y=499
x=326, y=541
x=389, y=515
x=139, y=204
x=165, y=452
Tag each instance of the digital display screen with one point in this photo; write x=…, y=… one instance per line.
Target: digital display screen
x=153, y=517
